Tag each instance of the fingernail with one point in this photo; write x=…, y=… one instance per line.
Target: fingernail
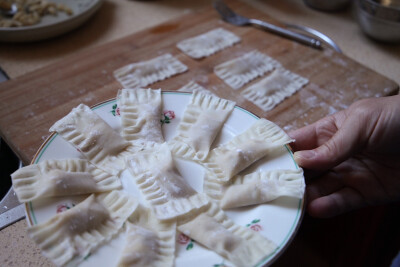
x=306, y=154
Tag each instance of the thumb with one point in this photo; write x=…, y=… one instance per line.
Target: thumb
x=341, y=146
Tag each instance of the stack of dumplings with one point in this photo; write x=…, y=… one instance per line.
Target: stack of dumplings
x=150, y=225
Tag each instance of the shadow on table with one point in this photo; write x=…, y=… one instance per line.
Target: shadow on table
x=367, y=237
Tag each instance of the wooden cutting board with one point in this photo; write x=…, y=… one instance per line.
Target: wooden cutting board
x=30, y=104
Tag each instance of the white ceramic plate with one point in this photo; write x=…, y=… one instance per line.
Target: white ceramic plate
x=51, y=26
x=278, y=220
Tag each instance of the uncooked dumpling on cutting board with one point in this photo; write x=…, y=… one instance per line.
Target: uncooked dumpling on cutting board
x=208, y=43
x=143, y=73
x=274, y=88
x=240, y=71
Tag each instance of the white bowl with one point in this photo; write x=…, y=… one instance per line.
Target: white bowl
x=51, y=26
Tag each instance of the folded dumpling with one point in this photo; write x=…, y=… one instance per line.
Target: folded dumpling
x=140, y=115
x=202, y=120
x=149, y=242
x=60, y=178
x=262, y=187
x=73, y=234
x=94, y=138
x=244, y=149
x=214, y=230
x=161, y=183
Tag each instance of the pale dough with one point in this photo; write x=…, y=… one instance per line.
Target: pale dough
x=144, y=73
x=274, y=88
x=208, y=43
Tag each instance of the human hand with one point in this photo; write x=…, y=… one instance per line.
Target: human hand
x=353, y=157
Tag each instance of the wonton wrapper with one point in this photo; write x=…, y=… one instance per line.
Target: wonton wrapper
x=140, y=115
x=202, y=120
x=239, y=71
x=274, y=88
x=166, y=190
x=60, y=178
x=73, y=234
x=244, y=149
x=143, y=73
x=240, y=245
x=94, y=138
x=208, y=43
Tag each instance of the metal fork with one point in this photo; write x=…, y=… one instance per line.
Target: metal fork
x=229, y=16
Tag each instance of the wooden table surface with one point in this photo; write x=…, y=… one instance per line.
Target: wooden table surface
x=37, y=96
x=47, y=94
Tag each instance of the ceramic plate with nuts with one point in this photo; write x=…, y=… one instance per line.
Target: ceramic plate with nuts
x=32, y=20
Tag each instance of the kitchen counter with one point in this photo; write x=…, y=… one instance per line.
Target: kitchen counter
x=119, y=18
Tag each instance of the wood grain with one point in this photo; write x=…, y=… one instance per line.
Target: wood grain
x=30, y=104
